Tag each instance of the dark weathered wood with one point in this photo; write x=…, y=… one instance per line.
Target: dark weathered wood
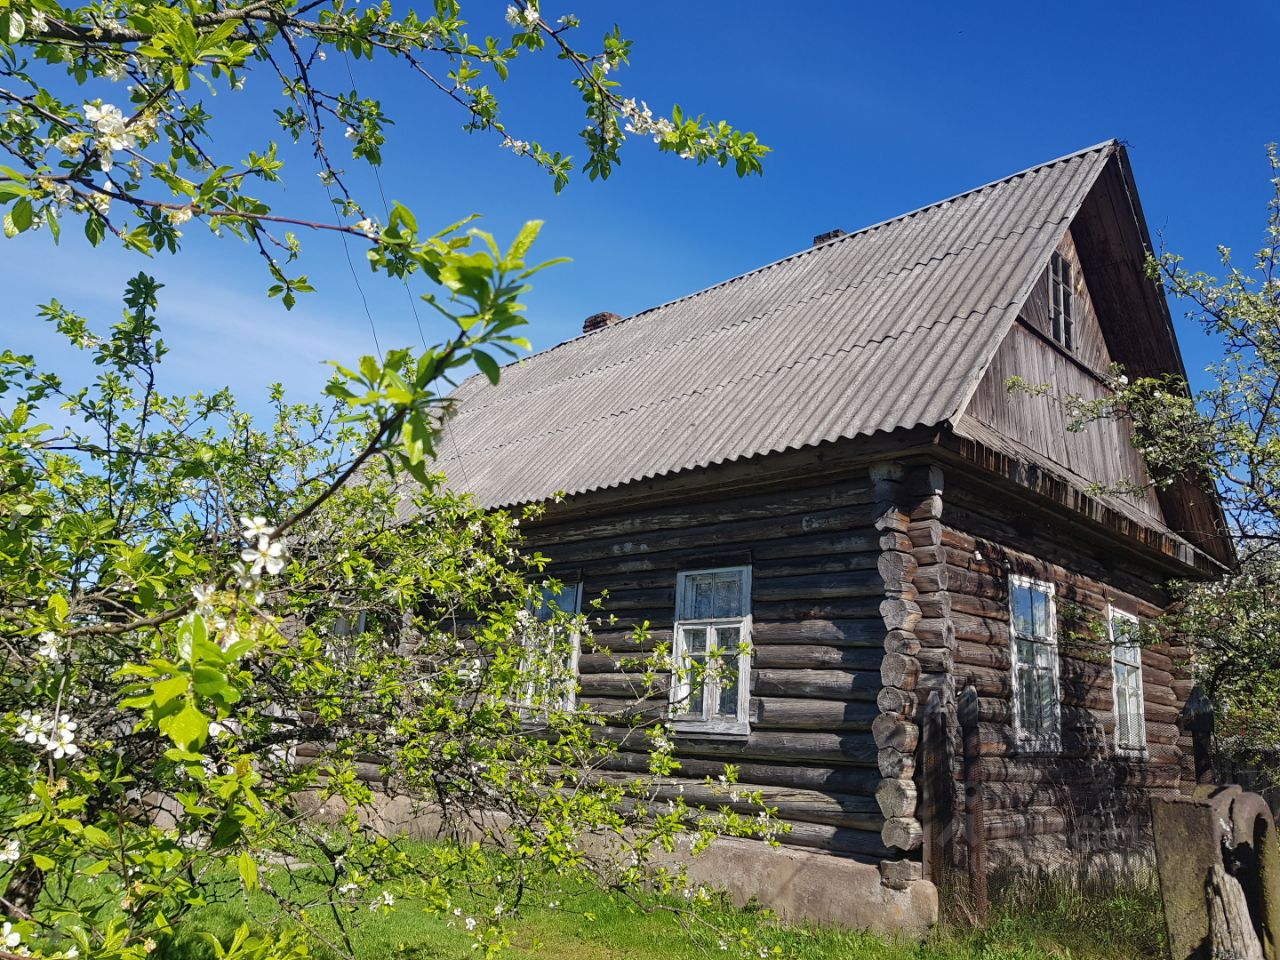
x=868, y=632
x=788, y=713
x=855, y=780
x=825, y=684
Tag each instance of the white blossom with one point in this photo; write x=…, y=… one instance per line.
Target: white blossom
x=114, y=72
x=321, y=55
x=239, y=84
x=39, y=23
x=351, y=133
x=180, y=215
x=11, y=852
x=470, y=923
x=49, y=648
x=204, y=596
x=518, y=147
x=112, y=129
x=9, y=937
x=255, y=527
x=385, y=899
x=69, y=143
x=33, y=728
x=369, y=228
x=62, y=742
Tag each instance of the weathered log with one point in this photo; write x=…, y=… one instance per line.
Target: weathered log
x=897, y=798
x=893, y=700
x=901, y=641
x=897, y=764
x=855, y=780
x=1001, y=824
x=894, y=732
x=813, y=656
x=897, y=670
x=902, y=833
x=867, y=632
x=847, y=748
x=935, y=660
x=793, y=805
x=826, y=586
x=896, y=571
x=867, y=844
x=818, y=715
x=899, y=614
x=932, y=578
x=822, y=684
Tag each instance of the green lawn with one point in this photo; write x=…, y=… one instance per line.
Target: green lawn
x=1039, y=921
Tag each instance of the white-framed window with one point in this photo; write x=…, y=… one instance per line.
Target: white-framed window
x=1126, y=683
x=1033, y=628
x=1062, y=303
x=550, y=662
x=711, y=685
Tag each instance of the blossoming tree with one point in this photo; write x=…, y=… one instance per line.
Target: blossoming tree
x=233, y=648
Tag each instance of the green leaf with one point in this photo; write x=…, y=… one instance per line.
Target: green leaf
x=166, y=691
x=187, y=729
x=42, y=862
x=23, y=215
x=488, y=366
x=248, y=870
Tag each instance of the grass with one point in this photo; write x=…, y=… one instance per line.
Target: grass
x=1029, y=920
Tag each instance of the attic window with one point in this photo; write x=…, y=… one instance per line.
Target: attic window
x=1062, y=301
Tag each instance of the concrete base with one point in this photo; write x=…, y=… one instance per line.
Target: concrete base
x=801, y=886
x=819, y=888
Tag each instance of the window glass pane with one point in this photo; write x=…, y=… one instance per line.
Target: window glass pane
x=1046, y=700
x=1020, y=597
x=728, y=677
x=711, y=595
x=1040, y=603
x=695, y=639
x=727, y=638
x=1026, y=698
x=696, y=681
x=566, y=599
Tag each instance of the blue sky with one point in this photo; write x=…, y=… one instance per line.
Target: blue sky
x=872, y=110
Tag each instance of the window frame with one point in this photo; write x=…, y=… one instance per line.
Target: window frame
x=1132, y=750
x=681, y=687
x=1062, y=301
x=567, y=700
x=1026, y=741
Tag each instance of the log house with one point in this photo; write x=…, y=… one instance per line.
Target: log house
x=822, y=460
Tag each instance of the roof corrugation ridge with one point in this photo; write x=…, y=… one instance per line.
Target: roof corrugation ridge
x=1097, y=147
x=765, y=313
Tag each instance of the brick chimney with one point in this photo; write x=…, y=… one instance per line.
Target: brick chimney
x=598, y=321
x=829, y=235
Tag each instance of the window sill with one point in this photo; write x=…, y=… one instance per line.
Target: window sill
x=1135, y=754
x=701, y=730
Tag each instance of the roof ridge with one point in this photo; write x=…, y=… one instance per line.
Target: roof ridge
x=1112, y=143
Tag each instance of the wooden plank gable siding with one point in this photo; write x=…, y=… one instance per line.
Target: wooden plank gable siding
x=1101, y=453
x=1086, y=799
x=818, y=639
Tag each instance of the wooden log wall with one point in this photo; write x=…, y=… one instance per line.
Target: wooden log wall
x=818, y=637
x=1085, y=799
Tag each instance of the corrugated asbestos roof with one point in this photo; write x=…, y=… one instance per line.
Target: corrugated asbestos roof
x=890, y=327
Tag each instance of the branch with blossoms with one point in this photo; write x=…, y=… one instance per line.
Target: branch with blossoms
x=73, y=157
